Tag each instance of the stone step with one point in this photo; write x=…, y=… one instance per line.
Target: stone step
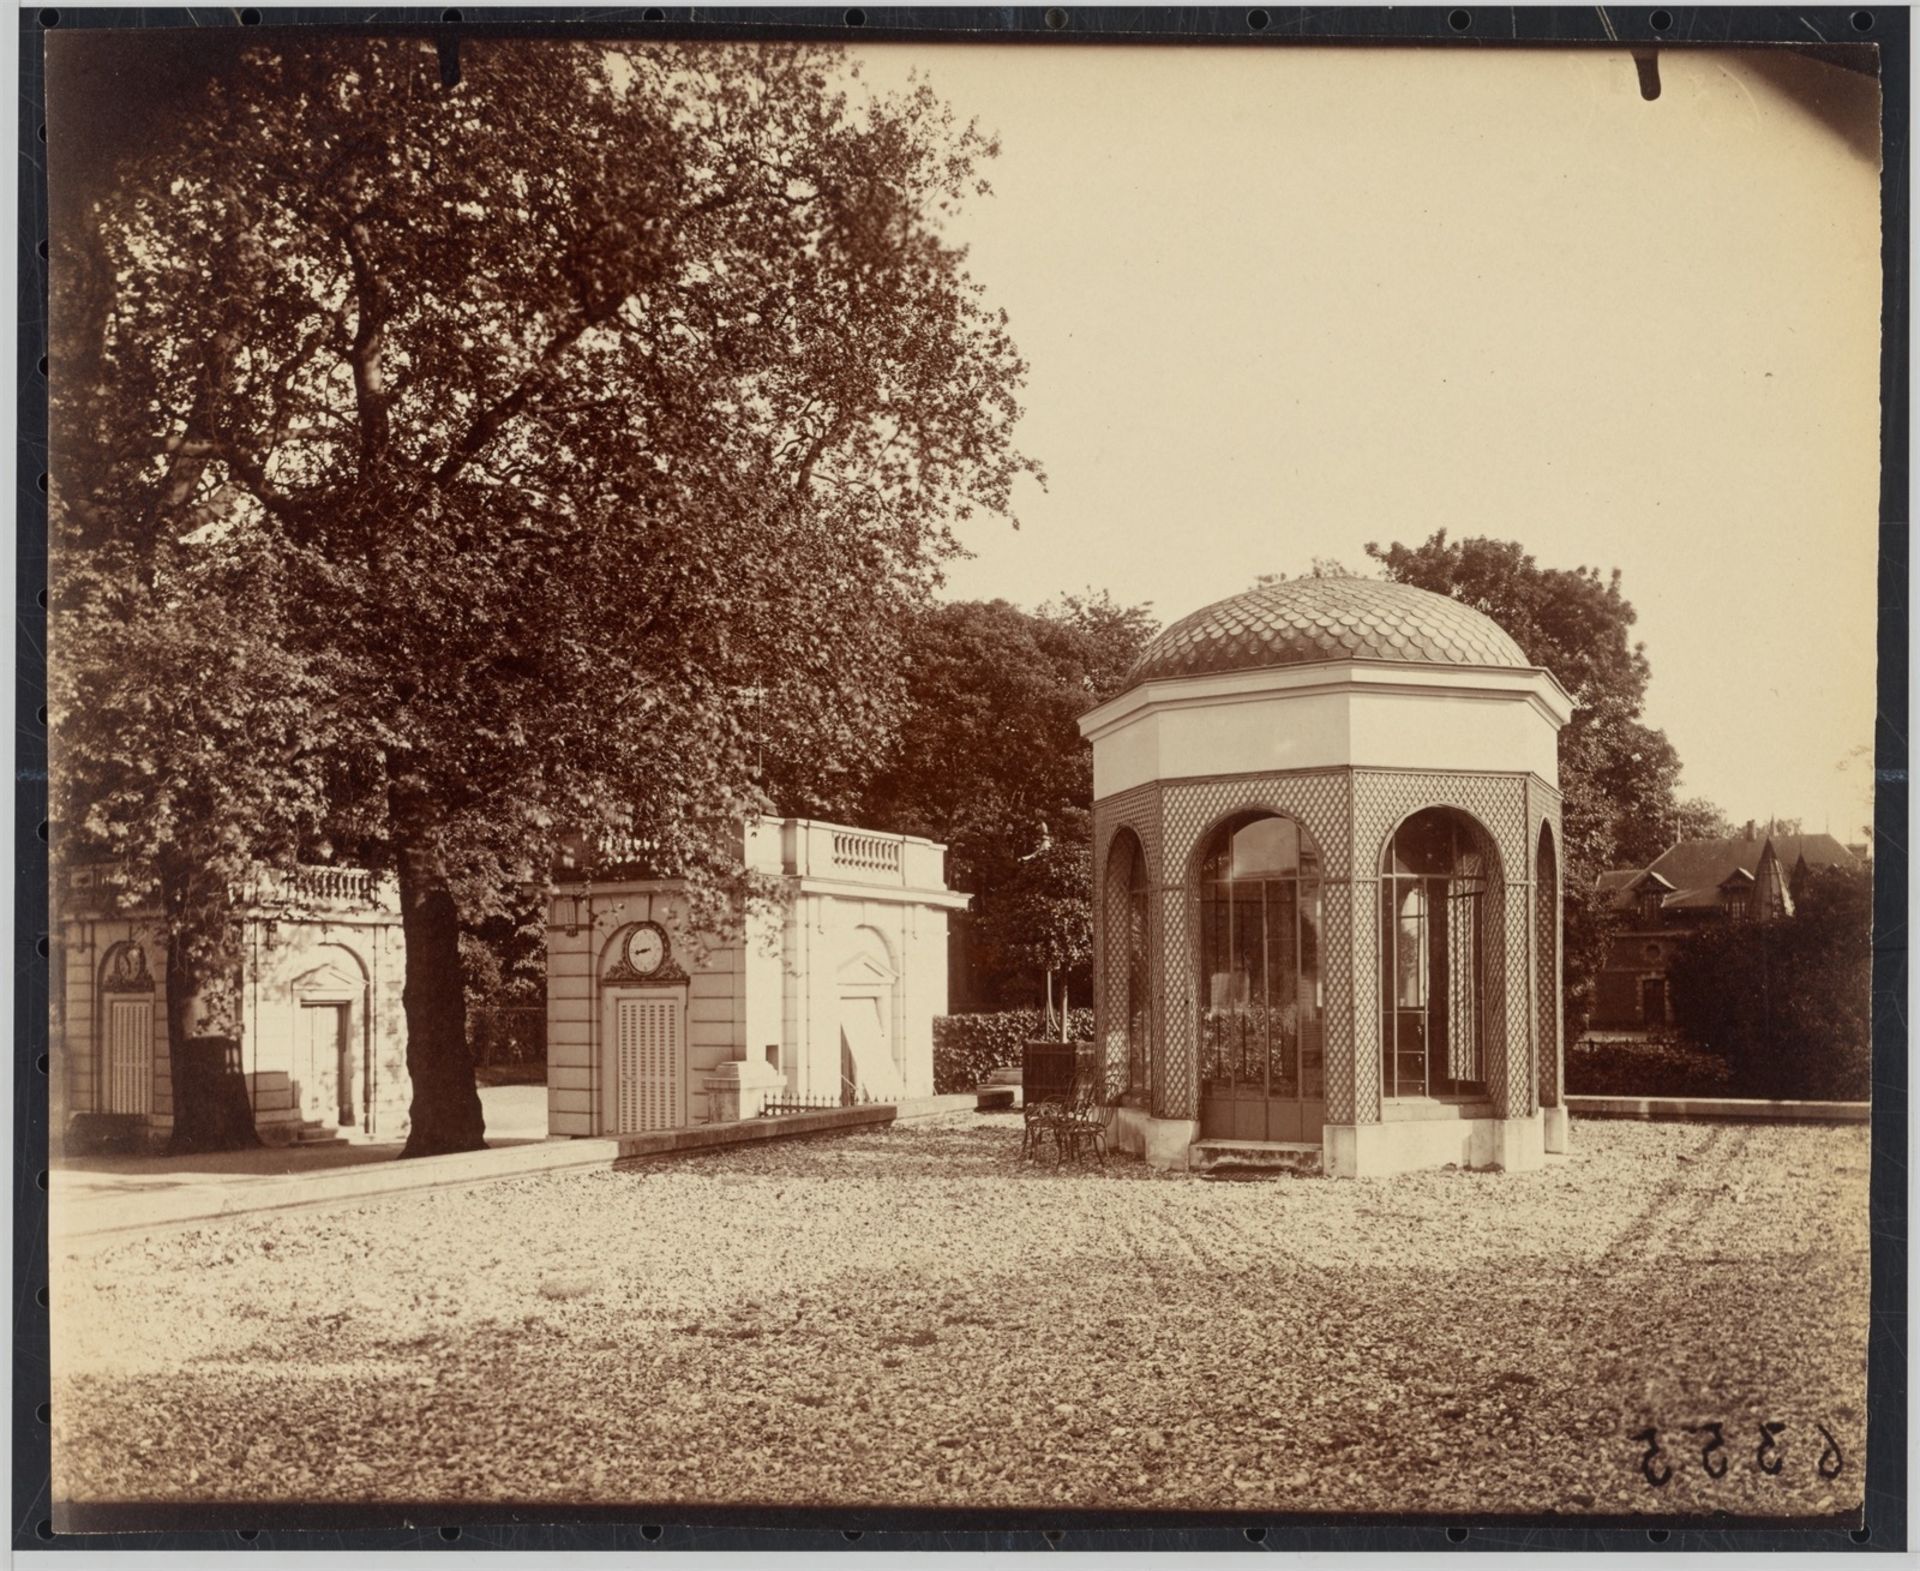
x=318, y=1135
x=1246, y=1158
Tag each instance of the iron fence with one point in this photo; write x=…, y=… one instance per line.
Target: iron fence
x=507, y=1034
x=817, y=1102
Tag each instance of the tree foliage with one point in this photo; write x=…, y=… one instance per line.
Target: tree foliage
x=1618, y=775
x=989, y=760
x=198, y=756
x=1787, y=1003
x=596, y=419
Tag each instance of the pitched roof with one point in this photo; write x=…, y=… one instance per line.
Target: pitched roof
x=1701, y=864
x=1817, y=850
x=1701, y=873
x=1693, y=900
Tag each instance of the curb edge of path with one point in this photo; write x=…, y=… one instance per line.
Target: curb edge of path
x=344, y=1186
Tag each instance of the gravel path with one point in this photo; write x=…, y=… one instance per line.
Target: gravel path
x=912, y=1316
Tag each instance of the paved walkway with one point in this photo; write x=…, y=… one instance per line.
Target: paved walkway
x=111, y=1194
x=98, y=1200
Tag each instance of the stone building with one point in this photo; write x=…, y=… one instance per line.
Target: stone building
x=1327, y=889
x=653, y=1025
x=321, y=1038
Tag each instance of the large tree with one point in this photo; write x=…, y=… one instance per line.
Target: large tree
x=1618, y=775
x=185, y=753
x=602, y=410
x=989, y=759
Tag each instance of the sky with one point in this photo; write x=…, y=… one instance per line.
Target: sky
x=1279, y=303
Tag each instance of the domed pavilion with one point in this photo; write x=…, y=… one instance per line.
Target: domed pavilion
x=1327, y=885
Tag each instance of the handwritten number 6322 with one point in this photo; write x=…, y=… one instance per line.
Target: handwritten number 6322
x=1769, y=1456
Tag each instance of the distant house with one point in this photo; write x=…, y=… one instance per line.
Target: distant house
x=1749, y=877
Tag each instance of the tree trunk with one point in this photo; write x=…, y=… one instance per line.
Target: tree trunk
x=446, y=1102
x=211, y=1108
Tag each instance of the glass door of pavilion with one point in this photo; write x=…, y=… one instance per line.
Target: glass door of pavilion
x=1262, y=1047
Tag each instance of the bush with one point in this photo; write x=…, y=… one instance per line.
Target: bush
x=1787, y=1002
x=967, y=1047
x=1656, y=1068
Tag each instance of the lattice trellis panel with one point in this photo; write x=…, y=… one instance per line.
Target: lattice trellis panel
x=1381, y=799
x=1137, y=811
x=1317, y=800
x=1337, y=977
x=1348, y=815
x=1512, y=1064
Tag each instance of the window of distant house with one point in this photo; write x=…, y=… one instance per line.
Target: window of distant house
x=1650, y=906
x=1737, y=906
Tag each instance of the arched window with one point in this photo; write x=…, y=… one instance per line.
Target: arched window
x=1139, y=981
x=1432, y=958
x=1260, y=996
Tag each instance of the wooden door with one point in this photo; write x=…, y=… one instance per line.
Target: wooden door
x=326, y=1064
x=128, y=1055
x=649, y=1062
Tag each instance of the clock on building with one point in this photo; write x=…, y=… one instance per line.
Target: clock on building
x=647, y=948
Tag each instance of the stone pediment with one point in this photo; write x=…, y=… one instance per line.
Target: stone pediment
x=326, y=978
x=866, y=970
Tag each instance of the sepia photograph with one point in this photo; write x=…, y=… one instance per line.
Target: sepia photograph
x=803, y=775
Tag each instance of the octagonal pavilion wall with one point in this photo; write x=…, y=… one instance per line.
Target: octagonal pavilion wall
x=1280, y=722
x=1350, y=813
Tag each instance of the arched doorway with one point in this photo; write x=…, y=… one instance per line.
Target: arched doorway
x=126, y=1016
x=872, y=1066
x=1434, y=878
x=1262, y=1037
x=332, y=1080
x=1129, y=1053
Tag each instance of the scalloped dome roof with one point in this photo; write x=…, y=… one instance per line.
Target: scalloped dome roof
x=1306, y=620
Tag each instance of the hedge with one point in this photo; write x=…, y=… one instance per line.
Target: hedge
x=1787, y=1003
x=1650, y=1068
x=967, y=1047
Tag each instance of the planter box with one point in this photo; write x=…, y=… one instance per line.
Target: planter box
x=1050, y=1070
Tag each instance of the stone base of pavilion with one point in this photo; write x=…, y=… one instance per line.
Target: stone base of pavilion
x=1424, y=1135
x=1410, y=1137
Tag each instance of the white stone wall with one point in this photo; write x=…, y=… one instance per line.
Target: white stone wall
x=583, y=929
x=357, y=962
x=75, y=1062
x=827, y=935
x=854, y=898
x=352, y=958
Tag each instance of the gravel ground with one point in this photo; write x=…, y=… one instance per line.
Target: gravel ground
x=912, y=1316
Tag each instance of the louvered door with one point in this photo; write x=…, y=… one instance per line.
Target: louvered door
x=648, y=1061
x=129, y=1055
